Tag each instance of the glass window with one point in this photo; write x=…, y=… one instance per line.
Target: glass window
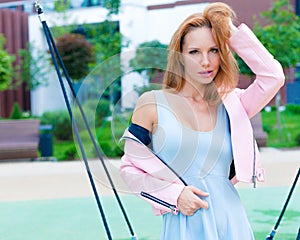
x=297, y=77
x=77, y=3
x=89, y=3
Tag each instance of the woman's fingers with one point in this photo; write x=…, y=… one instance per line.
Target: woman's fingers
x=201, y=203
x=198, y=191
x=189, y=202
x=232, y=27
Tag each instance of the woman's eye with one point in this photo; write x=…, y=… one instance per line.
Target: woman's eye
x=193, y=52
x=214, y=50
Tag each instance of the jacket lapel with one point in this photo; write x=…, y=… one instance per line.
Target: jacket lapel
x=241, y=136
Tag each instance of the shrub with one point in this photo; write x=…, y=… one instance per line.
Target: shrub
x=110, y=150
x=293, y=108
x=70, y=153
x=16, y=112
x=267, y=128
x=60, y=120
x=297, y=139
x=108, y=142
x=101, y=108
x=94, y=110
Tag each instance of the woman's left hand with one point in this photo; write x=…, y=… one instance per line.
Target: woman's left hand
x=189, y=202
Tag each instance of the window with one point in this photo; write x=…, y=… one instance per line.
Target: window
x=86, y=3
x=297, y=73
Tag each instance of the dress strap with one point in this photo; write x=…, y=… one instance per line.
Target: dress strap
x=160, y=98
x=162, y=105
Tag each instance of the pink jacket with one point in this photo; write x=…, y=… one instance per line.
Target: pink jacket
x=143, y=171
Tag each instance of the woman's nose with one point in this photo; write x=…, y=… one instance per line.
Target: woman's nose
x=204, y=61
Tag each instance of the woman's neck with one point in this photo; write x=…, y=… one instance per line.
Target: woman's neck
x=195, y=92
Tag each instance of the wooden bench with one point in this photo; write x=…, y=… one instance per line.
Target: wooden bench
x=19, y=139
x=260, y=135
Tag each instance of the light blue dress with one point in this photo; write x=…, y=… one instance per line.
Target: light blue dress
x=203, y=160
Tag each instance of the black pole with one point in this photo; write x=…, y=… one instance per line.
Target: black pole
x=274, y=230
x=91, y=135
x=47, y=34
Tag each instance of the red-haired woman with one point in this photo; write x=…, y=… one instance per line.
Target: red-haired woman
x=197, y=124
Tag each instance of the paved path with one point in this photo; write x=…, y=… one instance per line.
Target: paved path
x=47, y=180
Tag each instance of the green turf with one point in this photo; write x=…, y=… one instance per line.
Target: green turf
x=263, y=206
x=78, y=218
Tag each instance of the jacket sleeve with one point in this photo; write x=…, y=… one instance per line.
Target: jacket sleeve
x=268, y=71
x=142, y=171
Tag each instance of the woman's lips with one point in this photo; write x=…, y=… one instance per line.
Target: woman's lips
x=206, y=73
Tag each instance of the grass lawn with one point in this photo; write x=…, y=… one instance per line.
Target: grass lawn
x=290, y=122
x=108, y=136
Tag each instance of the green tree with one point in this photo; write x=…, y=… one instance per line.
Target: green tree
x=6, y=66
x=77, y=53
x=112, y=6
x=151, y=57
x=104, y=37
x=281, y=36
x=33, y=69
x=107, y=41
x=62, y=5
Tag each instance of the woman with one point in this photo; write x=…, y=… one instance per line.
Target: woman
x=197, y=124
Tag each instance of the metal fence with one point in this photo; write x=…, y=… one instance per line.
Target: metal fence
x=14, y=27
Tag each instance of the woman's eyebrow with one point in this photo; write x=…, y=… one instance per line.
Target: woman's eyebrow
x=210, y=47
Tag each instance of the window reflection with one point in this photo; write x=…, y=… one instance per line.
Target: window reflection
x=86, y=3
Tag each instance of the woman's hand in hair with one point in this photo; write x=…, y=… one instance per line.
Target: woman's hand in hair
x=232, y=27
x=189, y=201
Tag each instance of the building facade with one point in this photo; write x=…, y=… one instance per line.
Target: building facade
x=139, y=21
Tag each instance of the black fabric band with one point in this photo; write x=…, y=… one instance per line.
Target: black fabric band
x=140, y=132
x=232, y=170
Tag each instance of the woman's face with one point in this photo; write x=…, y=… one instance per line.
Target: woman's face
x=200, y=56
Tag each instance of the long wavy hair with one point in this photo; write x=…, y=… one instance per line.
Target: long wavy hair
x=215, y=16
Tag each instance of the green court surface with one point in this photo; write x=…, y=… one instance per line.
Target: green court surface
x=79, y=218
